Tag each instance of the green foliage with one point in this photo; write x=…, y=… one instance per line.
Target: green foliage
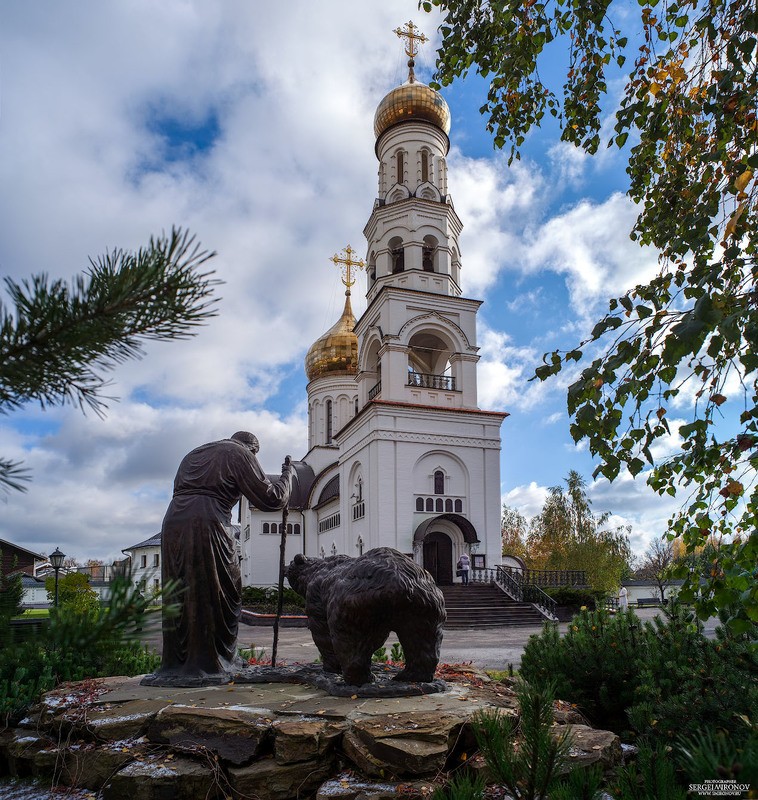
x=513, y=532
x=689, y=683
x=567, y=534
x=689, y=107
x=463, y=786
x=263, y=599
x=74, y=592
x=75, y=646
x=663, y=677
x=709, y=755
x=57, y=340
x=527, y=771
x=651, y=774
x=570, y=596
x=594, y=665
x=580, y=784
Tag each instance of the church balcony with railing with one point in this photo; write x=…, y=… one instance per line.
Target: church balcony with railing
x=431, y=381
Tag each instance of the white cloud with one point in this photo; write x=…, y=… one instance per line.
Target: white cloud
x=590, y=244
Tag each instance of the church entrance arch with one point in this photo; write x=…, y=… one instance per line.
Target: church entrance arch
x=438, y=557
x=438, y=538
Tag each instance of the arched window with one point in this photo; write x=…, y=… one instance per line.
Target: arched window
x=419, y=504
x=328, y=415
x=458, y=507
x=429, y=504
x=265, y=527
x=359, y=490
x=438, y=505
x=429, y=254
x=323, y=553
x=297, y=529
x=448, y=505
x=400, y=167
x=359, y=545
x=334, y=549
x=439, y=482
x=355, y=409
x=424, y=166
x=397, y=254
x=289, y=529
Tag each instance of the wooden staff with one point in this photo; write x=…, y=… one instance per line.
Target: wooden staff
x=280, y=597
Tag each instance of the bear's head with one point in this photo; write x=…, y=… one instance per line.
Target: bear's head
x=297, y=574
x=302, y=571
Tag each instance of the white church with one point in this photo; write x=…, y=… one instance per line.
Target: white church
x=399, y=453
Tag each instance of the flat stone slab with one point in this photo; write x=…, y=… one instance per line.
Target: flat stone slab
x=383, y=685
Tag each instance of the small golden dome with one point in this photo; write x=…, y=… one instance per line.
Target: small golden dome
x=409, y=102
x=336, y=352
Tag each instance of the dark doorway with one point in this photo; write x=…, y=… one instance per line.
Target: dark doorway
x=438, y=557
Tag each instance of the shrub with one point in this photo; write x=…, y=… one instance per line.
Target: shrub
x=74, y=646
x=576, y=598
x=530, y=769
x=263, y=599
x=593, y=665
x=689, y=683
x=74, y=592
x=663, y=677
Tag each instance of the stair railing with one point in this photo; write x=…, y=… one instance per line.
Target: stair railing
x=508, y=583
x=543, y=602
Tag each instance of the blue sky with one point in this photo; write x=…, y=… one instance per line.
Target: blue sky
x=253, y=128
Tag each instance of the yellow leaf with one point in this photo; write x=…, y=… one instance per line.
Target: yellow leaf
x=733, y=220
x=743, y=180
x=654, y=89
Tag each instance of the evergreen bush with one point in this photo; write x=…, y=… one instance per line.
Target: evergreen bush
x=576, y=598
x=594, y=665
x=74, y=646
x=663, y=677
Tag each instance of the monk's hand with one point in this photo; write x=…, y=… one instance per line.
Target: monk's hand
x=287, y=466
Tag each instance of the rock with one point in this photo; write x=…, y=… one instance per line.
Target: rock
x=566, y=714
x=403, y=744
x=268, y=780
x=590, y=746
x=161, y=778
x=348, y=787
x=304, y=739
x=238, y=735
x=86, y=765
x=124, y=721
x=22, y=749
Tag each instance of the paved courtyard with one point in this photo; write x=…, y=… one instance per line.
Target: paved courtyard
x=487, y=648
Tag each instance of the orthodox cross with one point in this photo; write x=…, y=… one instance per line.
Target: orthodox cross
x=412, y=34
x=346, y=263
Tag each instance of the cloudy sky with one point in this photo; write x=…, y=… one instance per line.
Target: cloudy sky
x=252, y=127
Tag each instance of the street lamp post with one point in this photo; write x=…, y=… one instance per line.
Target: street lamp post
x=56, y=559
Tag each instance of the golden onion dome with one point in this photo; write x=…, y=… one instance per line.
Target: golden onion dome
x=409, y=102
x=336, y=352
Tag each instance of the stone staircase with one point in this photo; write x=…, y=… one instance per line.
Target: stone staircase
x=481, y=605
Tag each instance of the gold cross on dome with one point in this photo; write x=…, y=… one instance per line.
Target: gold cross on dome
x=346, y=263
x=413, y=35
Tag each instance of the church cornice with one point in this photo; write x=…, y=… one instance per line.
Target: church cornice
x=399, y=210
x=433, y=297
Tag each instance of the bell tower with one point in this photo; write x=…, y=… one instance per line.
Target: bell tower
x=428, y=456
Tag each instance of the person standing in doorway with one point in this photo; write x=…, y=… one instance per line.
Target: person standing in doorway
x=464, y=565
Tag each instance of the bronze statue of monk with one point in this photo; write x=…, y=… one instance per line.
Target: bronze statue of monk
x=199, y=553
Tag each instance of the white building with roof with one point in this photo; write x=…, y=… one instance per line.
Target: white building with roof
x=399, y=452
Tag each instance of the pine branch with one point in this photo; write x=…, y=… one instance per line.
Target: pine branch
x=12, y=476
x=57, y=340
x=60, y=338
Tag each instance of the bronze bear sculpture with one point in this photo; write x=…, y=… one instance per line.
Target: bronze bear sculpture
x=353, y=603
